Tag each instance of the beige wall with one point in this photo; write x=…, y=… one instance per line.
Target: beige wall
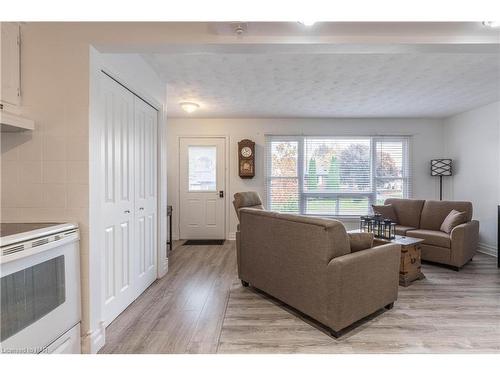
x=427, y=143
x=45, y=173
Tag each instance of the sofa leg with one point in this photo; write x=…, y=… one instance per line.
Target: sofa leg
x=244, y=283
x=455, y=268
x=389, y=306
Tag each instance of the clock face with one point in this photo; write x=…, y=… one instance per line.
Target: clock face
x=246, y=152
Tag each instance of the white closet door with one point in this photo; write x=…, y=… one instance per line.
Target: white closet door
x=146, y=122
x=117, y=197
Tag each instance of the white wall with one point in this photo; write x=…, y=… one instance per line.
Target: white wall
x=427, y=144
x=472, y=141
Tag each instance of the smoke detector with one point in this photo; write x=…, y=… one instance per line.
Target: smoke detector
x=240, y=28
x=492, y=24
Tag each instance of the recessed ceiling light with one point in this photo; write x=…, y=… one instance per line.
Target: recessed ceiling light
x=189, y=107
x=307, y=23
x=492, y=24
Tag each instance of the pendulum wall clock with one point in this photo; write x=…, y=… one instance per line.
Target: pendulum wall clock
x=246, y=158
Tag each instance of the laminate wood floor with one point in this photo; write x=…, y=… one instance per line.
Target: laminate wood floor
x=201, y=307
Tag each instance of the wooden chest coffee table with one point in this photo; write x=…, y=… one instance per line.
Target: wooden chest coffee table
x=410, y=266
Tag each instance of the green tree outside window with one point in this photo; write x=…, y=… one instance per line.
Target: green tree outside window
x=333, y=177
x=312, y=175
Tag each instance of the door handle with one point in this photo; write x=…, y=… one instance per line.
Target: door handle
x=141, y=208
x=127, y=211
x=221, y=193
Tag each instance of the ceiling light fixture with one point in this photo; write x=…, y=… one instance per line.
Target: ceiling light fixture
x=307, y=23
x=492, y=24
x=189, y=107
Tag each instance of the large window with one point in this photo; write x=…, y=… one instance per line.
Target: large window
x=335, y=176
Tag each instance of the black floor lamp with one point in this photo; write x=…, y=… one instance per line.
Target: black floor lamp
x=441, y=167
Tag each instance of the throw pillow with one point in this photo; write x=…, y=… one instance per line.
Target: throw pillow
x=387, y=212
x=453, y=219
x=360, y=241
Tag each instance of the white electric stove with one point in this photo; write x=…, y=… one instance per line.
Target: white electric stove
x=40, y=288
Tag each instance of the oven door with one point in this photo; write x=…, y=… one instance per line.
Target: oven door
x=40, y=296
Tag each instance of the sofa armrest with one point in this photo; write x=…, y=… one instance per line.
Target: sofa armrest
x=464, y=242
x=361, y=283
x=360, y=241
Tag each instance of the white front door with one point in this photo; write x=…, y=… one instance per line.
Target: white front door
x=146, y=119
x=202, y=188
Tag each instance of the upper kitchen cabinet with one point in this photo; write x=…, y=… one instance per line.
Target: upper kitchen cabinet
x=10, y=80
x=11, y=64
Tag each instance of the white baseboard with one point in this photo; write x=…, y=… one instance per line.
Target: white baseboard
x=231, y=236
x=92, y=342
x=487, y=249
x=163, y=268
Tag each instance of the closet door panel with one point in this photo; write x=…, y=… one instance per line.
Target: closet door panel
x=117, y=196
x=145, y=193
x=141, y=245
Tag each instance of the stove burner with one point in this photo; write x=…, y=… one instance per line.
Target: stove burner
x=8, y=229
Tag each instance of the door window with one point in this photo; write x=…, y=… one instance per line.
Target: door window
x=202, y=168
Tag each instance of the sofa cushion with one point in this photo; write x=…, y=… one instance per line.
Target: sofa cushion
x=387, y=212
x=401, y=230
x=453, y=219
x=360, y=241
x=407, y=210
x=431, y=237
x=434, y=213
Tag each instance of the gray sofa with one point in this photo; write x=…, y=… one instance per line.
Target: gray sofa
x=423, y=219
x=308, y=264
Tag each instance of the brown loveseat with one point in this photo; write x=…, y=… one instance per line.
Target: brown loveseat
x=308, y=264
x=423, y=219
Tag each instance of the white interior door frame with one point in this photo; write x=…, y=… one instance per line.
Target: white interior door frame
x=227, y=201
x=93, y=325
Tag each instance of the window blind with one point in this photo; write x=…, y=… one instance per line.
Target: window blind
x=335, y=176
